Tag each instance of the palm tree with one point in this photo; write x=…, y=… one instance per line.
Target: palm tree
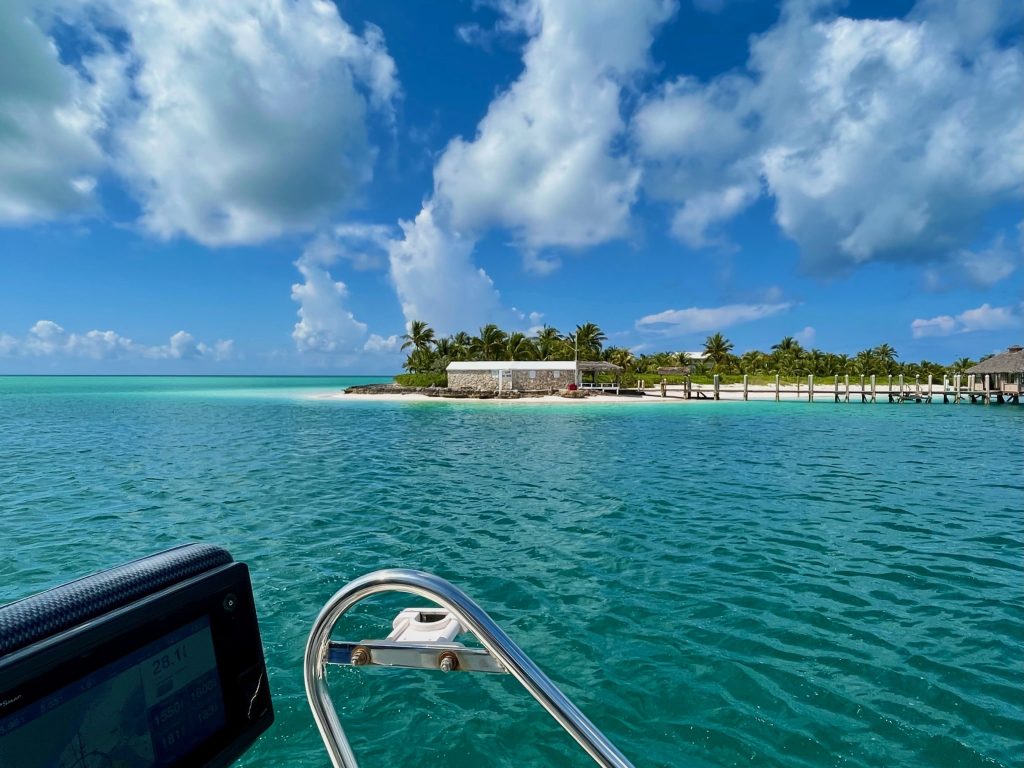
x=518, y=347
x=420, y=335
x=461, y=342
x=489, y=344
x=549, y=343
x=588, y=341
x=788, y=345
x=885, y=353
x=962, y=365
x=717, y=348
x=421, y=360
x=864, y=362
x=753, y=361
x=619, y=356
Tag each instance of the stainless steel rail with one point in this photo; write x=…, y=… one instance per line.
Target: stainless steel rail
x=474, y=619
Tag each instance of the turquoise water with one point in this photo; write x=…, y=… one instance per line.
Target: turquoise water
x=715, y=584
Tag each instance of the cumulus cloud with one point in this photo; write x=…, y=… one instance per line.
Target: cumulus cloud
x=545, y=164
x=677, y=322
x=51, y=123
x=48, y=339
x=983, y=318
x=875, y=139
x=381, y=345
x=981, y=268
x=325, y=323
x=433, y=273
x=807, y=336
x=249, y=121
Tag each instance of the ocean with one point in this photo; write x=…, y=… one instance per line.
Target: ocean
x=714, y=584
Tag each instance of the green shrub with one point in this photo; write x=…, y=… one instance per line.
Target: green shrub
x=437, y=379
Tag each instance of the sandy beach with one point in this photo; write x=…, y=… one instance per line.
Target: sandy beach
x=674, y=395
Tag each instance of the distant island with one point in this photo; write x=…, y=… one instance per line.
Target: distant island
x=429, y=356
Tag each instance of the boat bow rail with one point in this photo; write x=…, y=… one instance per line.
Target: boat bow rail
x=423, y=639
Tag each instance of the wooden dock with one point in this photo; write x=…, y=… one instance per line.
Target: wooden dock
x=869, y=389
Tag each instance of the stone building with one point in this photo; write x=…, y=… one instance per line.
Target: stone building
x=512, y=375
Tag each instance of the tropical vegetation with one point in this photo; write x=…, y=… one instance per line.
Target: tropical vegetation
x=430, y=355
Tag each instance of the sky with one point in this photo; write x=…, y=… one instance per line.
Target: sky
x=280, y=186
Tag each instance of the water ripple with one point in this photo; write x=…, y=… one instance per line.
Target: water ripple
x=779, y=584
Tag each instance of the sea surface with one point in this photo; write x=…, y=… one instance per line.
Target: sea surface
x=714, y=584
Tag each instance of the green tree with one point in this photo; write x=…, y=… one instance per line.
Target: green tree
x=549, y=344
x=753, y=361
x=461, y=343
x=788, y=345
x=885, y=353
x=420, y=335
x=519, y=347
x=718, y=349
x=489, y=344
x=421, y=360
x=619, y=356
x=588, y=340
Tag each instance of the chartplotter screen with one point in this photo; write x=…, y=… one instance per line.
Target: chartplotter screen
x=147, y=709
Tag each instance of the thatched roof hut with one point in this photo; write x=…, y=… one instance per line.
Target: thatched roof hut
x=1010, y=361
x=598, y=366
x=1004, y=371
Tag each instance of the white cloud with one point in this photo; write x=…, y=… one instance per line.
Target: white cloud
x=251, y=117
x=983, y=318
x=363, y=246
x=807, y=336
x=325, y=323
x=48, y=339
x=366, y=245
x=676, y=322
x=382, y=345
x=51, y=122
x=982, y=269
x=248, y=121
x=544, y=164
x=433, y=273
x=876, y=139
x=987, y=267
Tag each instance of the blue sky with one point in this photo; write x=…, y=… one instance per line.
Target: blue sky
x=278, y=186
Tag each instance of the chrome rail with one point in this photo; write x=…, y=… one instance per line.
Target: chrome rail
x=475, y=620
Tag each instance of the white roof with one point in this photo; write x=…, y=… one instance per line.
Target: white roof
x=512, y=365
x=697, y=355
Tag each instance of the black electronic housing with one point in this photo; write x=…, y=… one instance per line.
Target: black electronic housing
x=158, y=600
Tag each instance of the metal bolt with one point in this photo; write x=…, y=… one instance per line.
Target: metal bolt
x=230, y=603
x=360, y=656
x=448, y=661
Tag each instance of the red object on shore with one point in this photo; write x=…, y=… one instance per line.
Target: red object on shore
x=572, y=387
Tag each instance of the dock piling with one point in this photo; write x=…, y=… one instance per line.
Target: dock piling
x=745, y=386
x=776, y=387
x=810, y=388
x=716, y=386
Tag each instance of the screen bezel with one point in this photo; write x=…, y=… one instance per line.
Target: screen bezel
x=223, y=596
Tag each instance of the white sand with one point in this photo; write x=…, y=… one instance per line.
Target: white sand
x=729, y=393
